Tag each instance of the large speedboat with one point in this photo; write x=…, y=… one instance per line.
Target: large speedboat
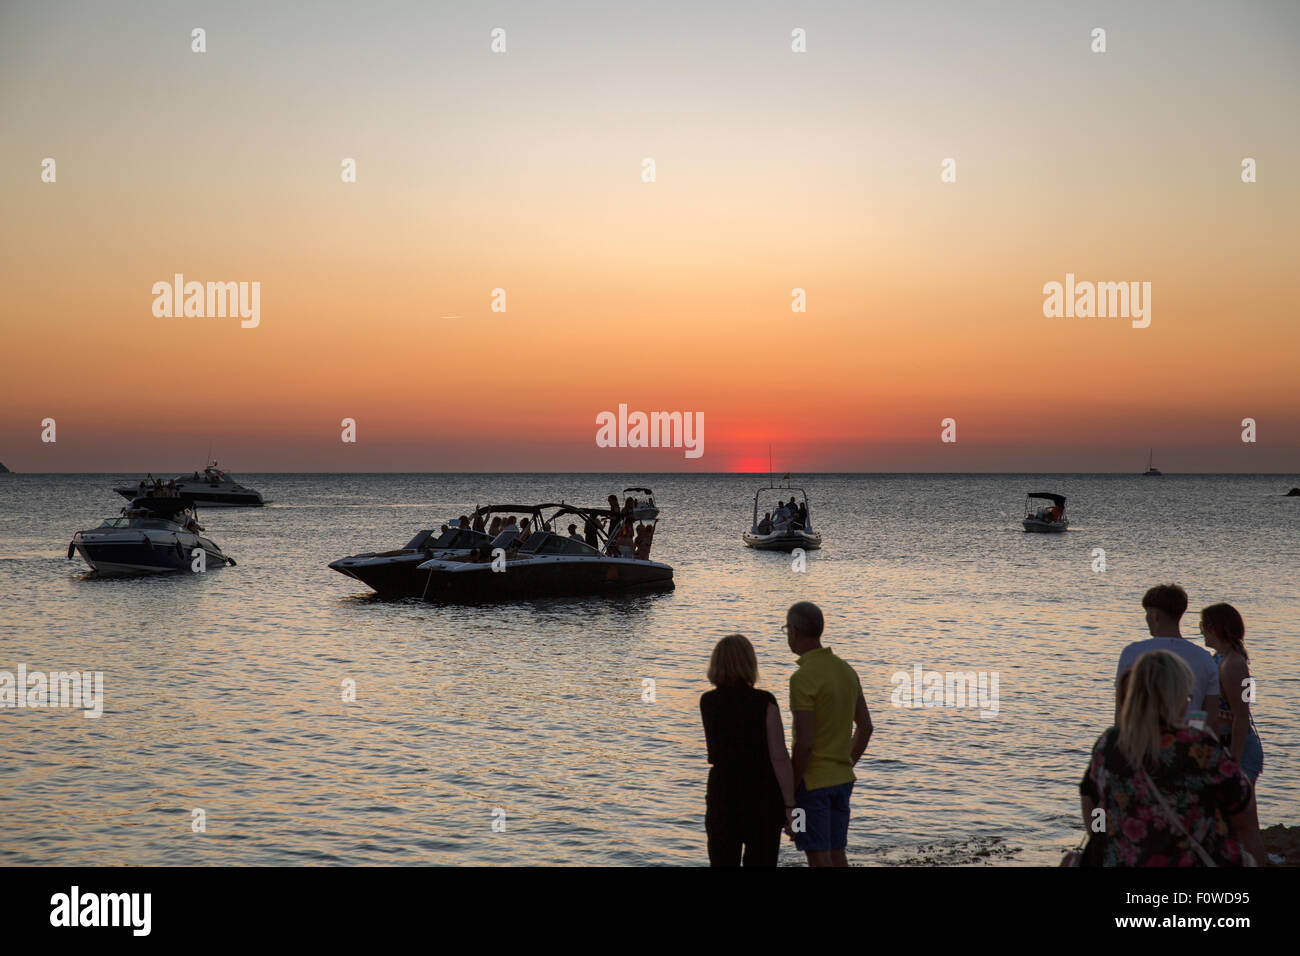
x=151, y=536
x=606, y=551
x=1045, y=518
x=784, y=529
x=393, y=573
x=212, y=488
x=548, y=564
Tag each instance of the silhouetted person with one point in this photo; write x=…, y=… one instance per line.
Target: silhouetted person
x=826, y=700
x=751, y=785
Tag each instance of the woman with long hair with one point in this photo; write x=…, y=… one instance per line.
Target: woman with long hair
x=1169, y=794
x=751, y=783
x=1225, y=633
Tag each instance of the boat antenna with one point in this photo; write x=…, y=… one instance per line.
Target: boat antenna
x=771, y=475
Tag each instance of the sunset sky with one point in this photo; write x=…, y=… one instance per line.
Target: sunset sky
x=775, y=170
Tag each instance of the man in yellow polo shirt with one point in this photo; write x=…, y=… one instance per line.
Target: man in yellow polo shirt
x=826, y=700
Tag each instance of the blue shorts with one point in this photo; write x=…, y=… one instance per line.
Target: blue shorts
x=1252, y=757
x=826, y=817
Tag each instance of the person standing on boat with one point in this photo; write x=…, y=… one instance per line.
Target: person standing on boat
x=1165, y=605
x=765, y=526
x=750, y=795
x=827, y=703
x=626, y=543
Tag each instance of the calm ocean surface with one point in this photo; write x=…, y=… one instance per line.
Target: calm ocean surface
x=223, y=690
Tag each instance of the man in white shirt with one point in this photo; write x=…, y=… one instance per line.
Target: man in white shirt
x=1165, y=605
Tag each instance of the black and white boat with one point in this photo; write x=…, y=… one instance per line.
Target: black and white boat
x=212, y=488
x=550, y=564
x=393, y=573
x=153, y=535
x=782, y=530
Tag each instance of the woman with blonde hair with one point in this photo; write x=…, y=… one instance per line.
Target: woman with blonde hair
x=1169, y=794
x=751, y=783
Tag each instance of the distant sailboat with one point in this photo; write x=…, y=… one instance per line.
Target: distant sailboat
x=1151, y=469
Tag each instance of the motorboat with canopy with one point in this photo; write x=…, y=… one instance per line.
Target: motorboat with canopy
x=787, y=527
x=611, y=555
x=1045, y=518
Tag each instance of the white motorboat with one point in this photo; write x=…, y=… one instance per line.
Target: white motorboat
x=152, y=536
x=213, y=488
x=786, y=528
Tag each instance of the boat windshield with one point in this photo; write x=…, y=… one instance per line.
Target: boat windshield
x=154, y=524
x=461, y=539
x=457, y=539
x=506, y=537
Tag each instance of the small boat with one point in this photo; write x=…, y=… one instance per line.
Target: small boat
x=643, y=510
x=1045, y=518
x=153, y=535
x=1151, y=469
x=213, y=488
x=393, y=573
x=549, y=564
x=783, y=532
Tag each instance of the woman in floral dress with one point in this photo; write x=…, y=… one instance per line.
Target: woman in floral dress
x=1170, y=794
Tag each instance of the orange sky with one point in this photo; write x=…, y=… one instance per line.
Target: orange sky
x=775, y=170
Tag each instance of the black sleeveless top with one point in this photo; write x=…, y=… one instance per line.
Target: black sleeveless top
x=735, y=725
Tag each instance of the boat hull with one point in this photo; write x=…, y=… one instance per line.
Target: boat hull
x=1045, y=527
x=543, y=576
x=393, y=573
x=133, y=552
x=207, y=498
x=783, y=540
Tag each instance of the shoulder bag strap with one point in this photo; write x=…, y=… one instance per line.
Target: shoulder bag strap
x=1173, y=818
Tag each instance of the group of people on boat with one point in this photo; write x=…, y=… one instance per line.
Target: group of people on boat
x=157, y=488
x=187, y=519
x=1053, y=514
x=624, y=536
x=788, y=515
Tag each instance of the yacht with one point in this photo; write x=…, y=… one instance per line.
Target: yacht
x=1151, y=469
x=784, y=533
x=153, y=535
x=1045, y=518
x=212, y=488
